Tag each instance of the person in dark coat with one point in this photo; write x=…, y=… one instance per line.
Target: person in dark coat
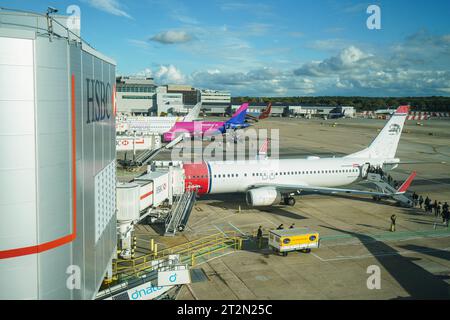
x=259, y=235
x=421, y=201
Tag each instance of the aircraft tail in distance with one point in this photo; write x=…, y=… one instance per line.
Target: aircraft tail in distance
x=239, y=116
x=193, y=113
x=266, y=112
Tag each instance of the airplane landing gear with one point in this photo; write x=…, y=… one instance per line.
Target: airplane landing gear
x=289, y=201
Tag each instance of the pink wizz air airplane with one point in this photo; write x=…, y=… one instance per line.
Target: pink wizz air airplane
x=270, y=181
x=208, y=128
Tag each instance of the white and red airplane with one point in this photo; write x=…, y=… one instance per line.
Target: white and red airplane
x=269, y=181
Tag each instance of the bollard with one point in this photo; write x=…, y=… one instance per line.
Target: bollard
x=156, y=250
x=152, y=245
x=239, y=209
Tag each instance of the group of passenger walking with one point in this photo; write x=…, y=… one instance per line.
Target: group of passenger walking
x=439, y=209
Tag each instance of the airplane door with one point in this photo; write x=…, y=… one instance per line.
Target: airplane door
x=365, y=170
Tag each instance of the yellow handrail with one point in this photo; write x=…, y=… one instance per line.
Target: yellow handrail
x=190, y=250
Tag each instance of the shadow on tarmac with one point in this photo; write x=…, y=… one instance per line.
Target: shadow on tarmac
x=418, y=282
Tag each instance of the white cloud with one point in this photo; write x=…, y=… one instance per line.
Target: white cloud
x=109, y=6
x=172, y=37
x=139, y=43
x=169, y=75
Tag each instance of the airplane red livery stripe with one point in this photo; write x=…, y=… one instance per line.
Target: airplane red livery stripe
x=197, y=174
x=402, y=109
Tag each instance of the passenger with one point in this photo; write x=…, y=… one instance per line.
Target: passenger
x=446, y=217
x=421, y=201
x=445, y=206
x=427, y=204
x=439, y=209
x=292, y=226
x=393, y=218
x=259, y=235
x=280, y=227
x=414, y=197
x=435, y=207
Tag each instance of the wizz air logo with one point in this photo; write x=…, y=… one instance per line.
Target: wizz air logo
x=394, y=129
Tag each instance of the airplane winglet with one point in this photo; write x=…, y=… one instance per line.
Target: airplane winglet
x=404, y=187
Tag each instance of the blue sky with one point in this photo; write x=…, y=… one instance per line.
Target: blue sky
x=273, y=48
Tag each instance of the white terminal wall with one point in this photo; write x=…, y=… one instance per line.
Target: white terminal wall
x=36, y=164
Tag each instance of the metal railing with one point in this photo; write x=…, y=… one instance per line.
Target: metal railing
x=189, y=253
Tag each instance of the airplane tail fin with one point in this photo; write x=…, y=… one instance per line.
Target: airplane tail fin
x=193, y=113
x=239, y=116
x=384, y=146
x=266, y=112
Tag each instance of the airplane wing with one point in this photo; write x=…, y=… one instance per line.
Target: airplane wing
x=290, y=188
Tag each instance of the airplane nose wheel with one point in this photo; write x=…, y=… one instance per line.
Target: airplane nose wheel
x=289, y=201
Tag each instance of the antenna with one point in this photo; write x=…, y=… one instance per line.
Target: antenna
x=50, y=10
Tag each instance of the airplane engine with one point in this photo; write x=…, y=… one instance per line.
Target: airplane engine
x=263, y=197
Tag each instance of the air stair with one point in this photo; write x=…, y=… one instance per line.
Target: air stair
x=383, y=186
x=145, y=157
x=181, y=210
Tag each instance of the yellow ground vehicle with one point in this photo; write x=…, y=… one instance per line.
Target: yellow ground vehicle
x=296, y=239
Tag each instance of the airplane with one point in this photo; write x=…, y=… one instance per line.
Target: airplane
x=337, y=113
x=265, y=113
x=208, y=128
x=269, y=182
x=387, y=111
x=157, y=125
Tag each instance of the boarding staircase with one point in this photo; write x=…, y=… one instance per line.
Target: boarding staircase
x=181, y=210
x=145, y=157
x=383, y=186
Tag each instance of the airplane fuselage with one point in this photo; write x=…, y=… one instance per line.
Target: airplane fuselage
x=240, y=176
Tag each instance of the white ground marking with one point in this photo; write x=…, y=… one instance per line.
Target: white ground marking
x=370, y=255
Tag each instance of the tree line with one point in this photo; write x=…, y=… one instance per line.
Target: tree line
x=435, y=103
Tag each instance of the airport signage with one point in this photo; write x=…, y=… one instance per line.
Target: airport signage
x=98, y=100
x=147, y=292
x=174, y=277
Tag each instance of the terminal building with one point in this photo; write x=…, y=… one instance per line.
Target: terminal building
x=58, y=166
x=168, y=103
x=135, y=95
x=214, y=102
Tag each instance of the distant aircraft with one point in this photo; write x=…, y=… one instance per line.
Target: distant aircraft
x=265, y=113
x=269, y=181
x=337, y=113
x=208, y=128
x=387, y=111
x=156, y=125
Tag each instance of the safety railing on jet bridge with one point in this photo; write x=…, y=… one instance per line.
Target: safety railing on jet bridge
x=189, y=252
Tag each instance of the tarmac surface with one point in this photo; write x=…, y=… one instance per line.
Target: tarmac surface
x=413, y=262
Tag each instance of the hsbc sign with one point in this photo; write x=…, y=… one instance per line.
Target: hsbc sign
x=98, y=100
